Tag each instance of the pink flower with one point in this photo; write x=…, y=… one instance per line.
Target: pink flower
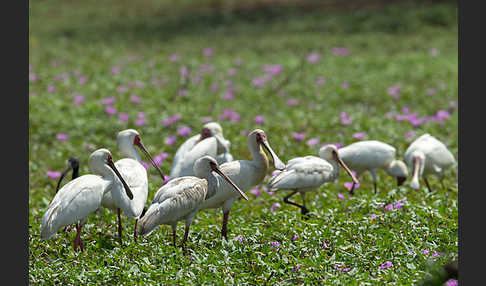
x=108, y=100
x=123, y=117
x=295, y=237
x=373, y=216
x=232, y=71
x=430, y=91
x=342, y=268
x=184, y=72
x=53, y=174
x=359, y=135
x=172, y=119
x=386, y=265
x=273, y=69
x=141, y=115
x=426, y=251
x=296, y=268
x=409, y=134
x=394, y=91
x=32, y=76
x=451, y=282
x=173, y=57
x=206, y=68
x=312, y=142
x=255, y=192
x=275, y=206
x=145, y=165
x=320, y=80
x=298, y=136
x=388, y=207
x=51, y=89
x=140, y=122
x=135, y=99
x=292, y=102
x=239, y=238
x=206, y=119
x=340, y=196
x=182, y=92
x=159, y=159
x=275, y=243
x=349, y=185
x=78, y=99
x=313, y=58
x=214, y=87
x=110, y=110
x=82, y=80
x=184, y=131
x=228, y=94
x=208, y=52
x=170, y=140
x=62, y=136
x=345, y=84
x=324, y=244
x=340, y=51
x=258, y=82
x=344, y=118
x=115, y=70
x=435, y=253
x=259, y=119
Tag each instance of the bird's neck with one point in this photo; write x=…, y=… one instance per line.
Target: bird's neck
x=260, y=159
x=130, y=152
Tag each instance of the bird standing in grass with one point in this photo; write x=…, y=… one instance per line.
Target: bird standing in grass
x=82, y=196
x=179, y=198
x=210, y=142
x=305, y=174
x=245, y=174
x=428, y=156
x=371, y=156
x=136, y=177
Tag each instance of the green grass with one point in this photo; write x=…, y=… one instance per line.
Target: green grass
x=387, y=46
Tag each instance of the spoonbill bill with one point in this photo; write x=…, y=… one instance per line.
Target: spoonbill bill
x=179, y=198
x=73, y=164
x=245, y=174
x=136, y=177
x=428, y=156
x=209, y=142
x=82, y=196
x=371, y=156
x=304, y=174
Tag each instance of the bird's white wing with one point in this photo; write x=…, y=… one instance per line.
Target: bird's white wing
x=304, y=173
x=297, y=160
x=367, y=155
x=135, y=176
x=174, y=201
x=184, y=149
x=72, y=203
x=185, y=165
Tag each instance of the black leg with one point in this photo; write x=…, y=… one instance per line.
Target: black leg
x=135, y=231
x=224, y=229
x=374, y=184
x=303, y=209
x=351, y=192
x=427, y=183
x=119, y=225
x=174, y=227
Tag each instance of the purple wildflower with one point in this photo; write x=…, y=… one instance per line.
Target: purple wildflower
x=228, y=94
x=184, y=71
x=386, y=265
x=349, y=185
x=298, y=136
x=430, y=91
x=313, y=58
x=53, y=174
x=159, y=159
x=312, y=142
x=62, y=136
x=435, y=253
x=239, y=238
x=255, y=192
x=182, y=92
x=359, y=135
x=184, y=131
x=172, y=119
x=409, y=134
x=206, y=119
x=135, y=99
x=145, y=165
x=174, y=57
x=214, y=87
x=232, y=71
x=122, y=89
x=344, y=118
x=373, y=216
x=296, y=268
x=115, y=70
x=340, y=51
x=51, y=88
x=208, y=52
x=82, y=80
x=388, y=207
x=275, y=243
x=345, y=84
x=110, y=110
x=426, y=251
x=340, y=196
x=394, y=91
x=258, y=82
x=273, y=69
x=32, y=76
x=123, y=117
x=342, y=268
x=324, y=244
x=259, y=119
x=292, y=102
x=78, y=99
x=275, y=206
x=451, y=282
x=295, y=236
x=108, y=100
x=320, y=80
x=170, y=140
x=140, y=122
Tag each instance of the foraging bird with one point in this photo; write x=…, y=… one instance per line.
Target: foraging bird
x=209, y=142
x=179, y=198
x=73, y=164
x=245, y=174
x=82, y=196
x=371, y=156
x=305, y=174
x=428, y=156
x=135, y=175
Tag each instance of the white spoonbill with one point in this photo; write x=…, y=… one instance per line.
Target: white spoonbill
x=210, y=142
x=371, y=156
x=304, y=174
x=245, y=174
x=82, y=196
x=179, y=198
x=134, y=174
x=428, y=156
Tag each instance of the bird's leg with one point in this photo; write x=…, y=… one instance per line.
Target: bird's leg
x=374, y=185
x=351, y=192
x=174, y=227
x=286, y=200
x=224, y=229
x=186, y=234
x=135, y=231
x=303, y=210
x=442, y=184
x=119, y=225
x=77, y=239
x=81, y=244
x=427, y=183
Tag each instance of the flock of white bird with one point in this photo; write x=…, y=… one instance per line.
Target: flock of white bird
x=204, y=175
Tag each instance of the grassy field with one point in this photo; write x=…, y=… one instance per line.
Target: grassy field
x=335, y=76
